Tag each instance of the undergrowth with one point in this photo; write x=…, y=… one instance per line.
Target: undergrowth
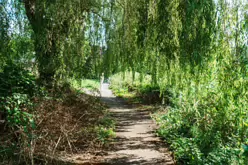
x=204, y=125
x=38, y=126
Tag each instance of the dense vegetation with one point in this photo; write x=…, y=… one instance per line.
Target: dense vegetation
x=47, y=51
x=193, y=54
x=196, y=53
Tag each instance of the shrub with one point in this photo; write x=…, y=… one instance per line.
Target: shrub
x=17, y=86
x=15, y=79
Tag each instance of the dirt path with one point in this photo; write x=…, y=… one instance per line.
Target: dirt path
x=136, y=142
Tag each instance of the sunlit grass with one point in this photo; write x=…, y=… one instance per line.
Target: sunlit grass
x=90, y=84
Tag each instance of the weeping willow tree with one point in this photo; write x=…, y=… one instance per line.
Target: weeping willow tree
x=152, y=34
x=198, y=51
x=59, y=30
x=195, y=49
x=150, y=37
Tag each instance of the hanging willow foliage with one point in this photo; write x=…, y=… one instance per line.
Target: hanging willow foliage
x=197, y=50
x=59, y=28
x=198, y=28
x=154, y=33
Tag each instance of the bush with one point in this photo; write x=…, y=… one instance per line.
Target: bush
x=14, y=107
x=15, y=79
x=17, y=87
x=208, y=121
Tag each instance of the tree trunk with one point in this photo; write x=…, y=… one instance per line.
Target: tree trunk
x=46, y=52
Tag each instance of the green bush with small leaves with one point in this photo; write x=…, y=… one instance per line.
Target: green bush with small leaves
x=14, y=108
x=17, y=87
x=15, y=79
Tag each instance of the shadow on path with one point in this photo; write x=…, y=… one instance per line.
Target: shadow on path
x=136, y=142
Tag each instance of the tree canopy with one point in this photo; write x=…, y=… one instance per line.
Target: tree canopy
x=195, y=50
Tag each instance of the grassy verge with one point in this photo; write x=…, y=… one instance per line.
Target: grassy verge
x=90, y=84
x=135, y=91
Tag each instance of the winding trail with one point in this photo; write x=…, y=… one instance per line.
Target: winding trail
x=136, y=142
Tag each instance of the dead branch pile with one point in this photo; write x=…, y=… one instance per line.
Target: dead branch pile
x=67, y=126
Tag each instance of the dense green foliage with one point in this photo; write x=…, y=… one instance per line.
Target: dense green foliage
x=15, y=79
x=55, y=40
x=195, y=50
x=46, y=49
x=17, y=87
